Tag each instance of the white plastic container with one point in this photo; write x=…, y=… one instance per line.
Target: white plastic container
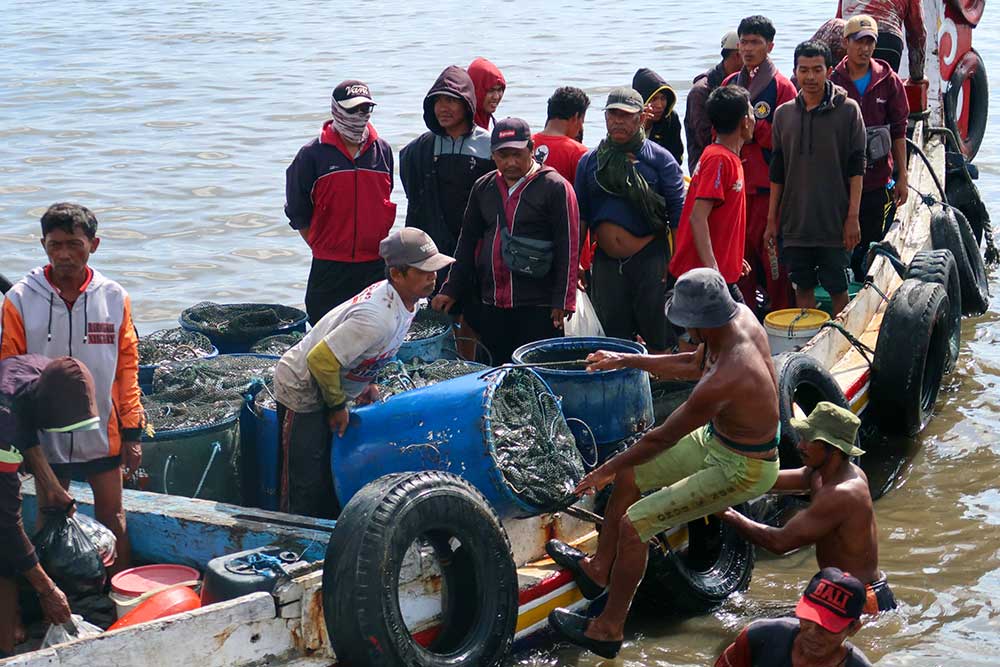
x=791, y=328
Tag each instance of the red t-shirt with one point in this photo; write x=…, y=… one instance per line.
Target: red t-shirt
x=563, y=153
x=560, y=152
x=719, y=177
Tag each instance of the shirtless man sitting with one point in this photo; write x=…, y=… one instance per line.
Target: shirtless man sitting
x=840, y=520
x=718, y=449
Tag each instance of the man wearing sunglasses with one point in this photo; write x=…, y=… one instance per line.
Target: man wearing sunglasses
x=337, y=193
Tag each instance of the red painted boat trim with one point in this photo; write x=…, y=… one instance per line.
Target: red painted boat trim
x=545, y=586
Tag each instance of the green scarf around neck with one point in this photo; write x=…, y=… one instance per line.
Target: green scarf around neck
x=617, y=175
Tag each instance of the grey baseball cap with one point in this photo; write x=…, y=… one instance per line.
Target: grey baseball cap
x=701, y=300
x=413, y=247
x=624, y=99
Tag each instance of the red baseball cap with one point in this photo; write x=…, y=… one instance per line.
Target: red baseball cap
x=833, y=599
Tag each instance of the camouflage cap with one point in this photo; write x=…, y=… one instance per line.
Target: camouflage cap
x=831, y=424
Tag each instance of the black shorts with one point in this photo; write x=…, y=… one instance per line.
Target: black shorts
x=889, y=48
x=629, y=295
x=332, y=283
x=808, y=267
x=83, y=470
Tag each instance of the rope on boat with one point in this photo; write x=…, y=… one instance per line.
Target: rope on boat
x=862, y=349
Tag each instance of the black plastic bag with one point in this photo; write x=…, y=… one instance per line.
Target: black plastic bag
x=68, y=555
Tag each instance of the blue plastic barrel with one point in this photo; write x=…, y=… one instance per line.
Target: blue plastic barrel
x=445, y=426
x=431, y=348
x=263, y=454
x=614, y=404
x=230, y=343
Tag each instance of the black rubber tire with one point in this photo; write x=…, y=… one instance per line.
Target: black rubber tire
x=804, y=382
x=910, y=357
x=939, y=266
x=950, y=231
x=716, y=564
x=970, y=67
x=360, y=575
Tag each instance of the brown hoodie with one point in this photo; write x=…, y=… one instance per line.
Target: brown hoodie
x=815, y=154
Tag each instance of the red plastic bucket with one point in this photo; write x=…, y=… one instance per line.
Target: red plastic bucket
x=160, y=605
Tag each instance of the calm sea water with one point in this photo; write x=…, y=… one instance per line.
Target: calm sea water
x=175, y=122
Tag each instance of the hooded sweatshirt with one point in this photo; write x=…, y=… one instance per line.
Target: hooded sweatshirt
x=814, y=156
x=884, y=103
x=667, y=131
x=484, y=75
x=98, y=331
x=697, y=126
x=438, y=172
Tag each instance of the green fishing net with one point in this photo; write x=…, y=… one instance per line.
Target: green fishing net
x=239, y=322
x=397, y=377
x=192, y=407
x=173, y=345
x=535, y=449
x=278, y=344
x=238, y=373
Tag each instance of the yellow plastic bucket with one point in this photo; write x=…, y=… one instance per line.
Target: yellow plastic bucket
x=790, y=328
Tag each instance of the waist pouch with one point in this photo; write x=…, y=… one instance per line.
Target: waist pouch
x=878, y=143
x=524, y=256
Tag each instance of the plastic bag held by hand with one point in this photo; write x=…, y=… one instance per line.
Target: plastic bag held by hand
x=584, y=321
x=69, y=555
x=58, y=634
x=101, y=536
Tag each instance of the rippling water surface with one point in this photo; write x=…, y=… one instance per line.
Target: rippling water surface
x=175, y=122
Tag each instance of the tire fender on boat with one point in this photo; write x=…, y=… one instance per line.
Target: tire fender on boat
x=802, y=382
x=462, y=533
x=910, y=357
x=940, y=267
x=716, y=563
x=970, y=69
x=951, y=231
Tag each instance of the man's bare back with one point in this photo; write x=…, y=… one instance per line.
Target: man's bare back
x=852, y=544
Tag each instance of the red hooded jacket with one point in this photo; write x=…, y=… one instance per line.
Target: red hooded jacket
x=484, y=75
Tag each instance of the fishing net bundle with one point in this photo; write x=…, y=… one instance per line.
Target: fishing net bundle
x=277, y=344
x=191, y=407
x=427, y=324
x=202, y=392
x=239, y=322
x=397, y=377
x=173, y=345
x=535, y=448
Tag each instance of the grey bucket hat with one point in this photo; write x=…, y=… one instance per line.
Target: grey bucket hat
x=701, y=300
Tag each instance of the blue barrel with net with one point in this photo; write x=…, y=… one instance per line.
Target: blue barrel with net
x=613, y=405
x=262, y=449
x=428, y=338
x=470, y=426
x=235, y=327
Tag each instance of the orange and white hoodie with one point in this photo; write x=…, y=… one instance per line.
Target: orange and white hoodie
x=98, y=331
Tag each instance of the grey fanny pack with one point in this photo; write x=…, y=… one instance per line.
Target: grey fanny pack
x=879, y=143
x=524, y=256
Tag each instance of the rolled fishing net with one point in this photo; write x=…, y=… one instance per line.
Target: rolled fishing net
x=173, y=345
x=239, y=322
x=535, y=449
x=426, y=324
x=191, y=407
x=278, y=344
x=236, y=373
x=397, y=377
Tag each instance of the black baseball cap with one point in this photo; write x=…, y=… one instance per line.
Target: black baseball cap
x=510, y=133
x=833, y=599
x=351, y=93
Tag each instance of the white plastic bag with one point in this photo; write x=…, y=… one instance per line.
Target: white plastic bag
x=584, y=321
x=59, y=634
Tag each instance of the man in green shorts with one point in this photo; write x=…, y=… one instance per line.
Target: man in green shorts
x=718, y=449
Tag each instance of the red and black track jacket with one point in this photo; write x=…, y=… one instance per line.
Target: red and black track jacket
x=342, y=200
x=543, y=207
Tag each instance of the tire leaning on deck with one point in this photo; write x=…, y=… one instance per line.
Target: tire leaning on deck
x=716, y=563
x=804, y=382
x=910, y=357
x=939, y=266
x=951, y=231
x=360, y=575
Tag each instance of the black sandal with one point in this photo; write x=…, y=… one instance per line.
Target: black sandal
x=572, y=628
x=569, y=557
